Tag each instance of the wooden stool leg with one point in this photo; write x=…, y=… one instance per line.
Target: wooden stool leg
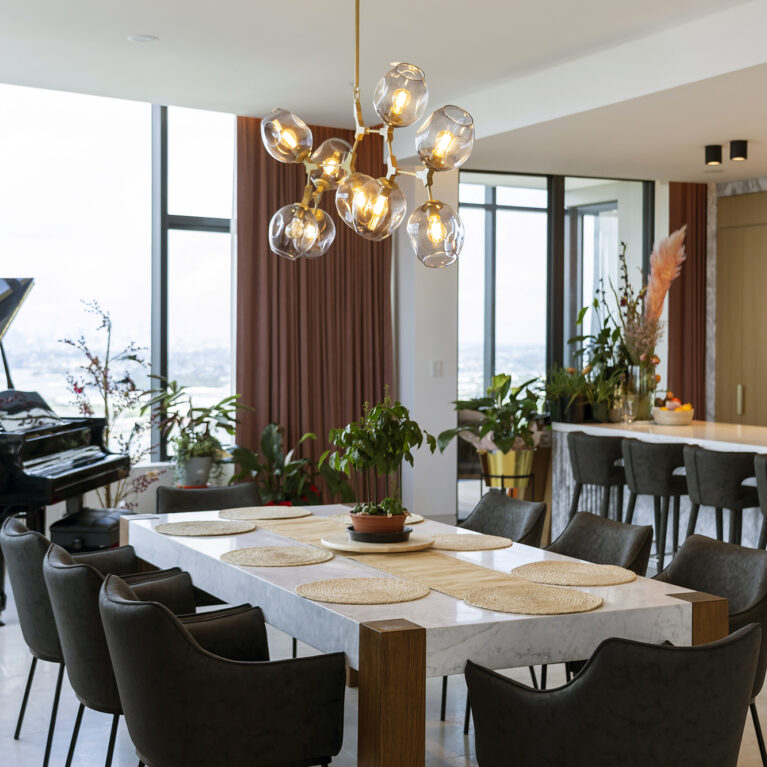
x=694, y=508
x=630, y=508
x=576, y=499
x=719, y=525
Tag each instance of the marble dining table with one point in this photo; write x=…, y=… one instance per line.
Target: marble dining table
x=395, y=647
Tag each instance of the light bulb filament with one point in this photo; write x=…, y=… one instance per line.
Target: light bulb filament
x=401, y=99
x=436, y=229
x=443, y=144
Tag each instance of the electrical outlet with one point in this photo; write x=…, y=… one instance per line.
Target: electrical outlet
x=436, y=368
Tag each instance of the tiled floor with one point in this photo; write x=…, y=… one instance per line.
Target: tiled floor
x=446, y=745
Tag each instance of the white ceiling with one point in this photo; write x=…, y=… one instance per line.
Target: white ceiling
x=247, y=57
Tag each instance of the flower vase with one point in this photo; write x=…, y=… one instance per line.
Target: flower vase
x=641, y=383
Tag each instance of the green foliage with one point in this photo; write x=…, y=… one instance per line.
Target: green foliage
x=283, y=478
x=376, y=446
x=565, y=383
x=507, y=412
x=388, y=506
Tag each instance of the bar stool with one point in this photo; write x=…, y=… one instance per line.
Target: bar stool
x=715, y=478
x=593, y=461
x=649, y=470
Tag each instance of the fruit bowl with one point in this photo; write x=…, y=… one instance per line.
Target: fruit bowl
x=676, y=417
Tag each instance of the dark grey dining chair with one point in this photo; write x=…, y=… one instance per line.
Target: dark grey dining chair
x=187, y=704
x=633, y=704
x=737, y=573
x=594, y=461
x=500, y=514
x=176, y=499
x=715, y=478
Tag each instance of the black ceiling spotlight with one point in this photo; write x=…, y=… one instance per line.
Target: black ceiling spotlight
x=713, y=154
x=739, y=150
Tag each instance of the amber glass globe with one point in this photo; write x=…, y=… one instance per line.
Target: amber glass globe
x=445, y=140
x=329, y=155
x=436, y=233
x=401, y=95
x=350, y=187
x=325, y=237
x=286, y=136
x=379, y=207
x=293, y=231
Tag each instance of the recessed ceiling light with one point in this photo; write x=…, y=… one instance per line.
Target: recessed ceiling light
x=713, y=154
x=739, y=150
x=142, y=38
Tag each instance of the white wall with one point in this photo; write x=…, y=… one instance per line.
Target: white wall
x=426, y=332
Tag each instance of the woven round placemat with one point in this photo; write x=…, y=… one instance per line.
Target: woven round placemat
x=211, y=527
x=525, y=598
x=255, y=513
x=277, y=556
x=411, y=519
x=466, y=542
x=362, y=591
x=574, y=574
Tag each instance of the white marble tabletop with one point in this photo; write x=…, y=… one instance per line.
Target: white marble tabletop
x=455, y=631
x=708, y=434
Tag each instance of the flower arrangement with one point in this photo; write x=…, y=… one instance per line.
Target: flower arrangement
x=110, y=378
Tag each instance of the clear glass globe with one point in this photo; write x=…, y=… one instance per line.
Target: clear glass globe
x=329, y=155
x=378, y=209
x=401, y=95
x=325, y=237
x=347, y=190
x=436, y=233
x=445, y=140
x=293, y=231
x=286, y=136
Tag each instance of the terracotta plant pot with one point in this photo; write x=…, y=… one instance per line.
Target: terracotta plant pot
x=378, y=523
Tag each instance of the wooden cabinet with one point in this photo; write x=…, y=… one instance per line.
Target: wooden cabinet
x=741, y=309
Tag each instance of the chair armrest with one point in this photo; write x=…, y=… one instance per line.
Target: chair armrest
x=117, y=561
x=237, y=633
x=150, y=575
x=174, y=591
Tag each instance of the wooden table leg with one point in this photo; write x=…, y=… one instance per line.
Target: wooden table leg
x=710, y=616
x=392, y=695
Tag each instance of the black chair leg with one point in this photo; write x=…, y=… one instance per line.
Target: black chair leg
x=630, y=508
x=24, y=700
x=619, y=505
x=141, y=764
x=719, y=525
x=604, y=509
x=675, y=524
x=656, y=517
x=763, y=533
x=758, y=729
x=75, y=733
x=112, y=736
x=661, y=533
x=533, y=677
x=467, y=716
x=295, y=647
x=544, y=671
x=54, y=711
x=694, y=509
x=568, y=673
x=576, y=499
x=444, y=700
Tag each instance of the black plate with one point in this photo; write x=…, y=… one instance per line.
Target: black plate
x=400, y=537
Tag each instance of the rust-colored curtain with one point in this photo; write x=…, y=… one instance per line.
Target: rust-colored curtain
x=687, y=299
x=314, y=337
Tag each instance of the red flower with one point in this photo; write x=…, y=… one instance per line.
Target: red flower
x=314, y=490
x=77, y=389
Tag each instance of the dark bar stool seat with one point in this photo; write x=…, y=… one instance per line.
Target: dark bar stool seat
x=715, y=478
x=650, y=470
x=593, y=462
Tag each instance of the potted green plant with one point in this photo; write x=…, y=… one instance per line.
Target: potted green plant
x=283, y=479
x=566, y=391
x=502, y=430
x=374, y=448
x=601, y=395
x=194, y=431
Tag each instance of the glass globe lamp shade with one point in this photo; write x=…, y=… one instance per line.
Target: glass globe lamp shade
x=378, y=209
x=401, y=95
x=325, y=236
x=286, y=136
x=436, y=233
x=329, y=155
x=348, y=189
x=445, y=140
x=293, y=231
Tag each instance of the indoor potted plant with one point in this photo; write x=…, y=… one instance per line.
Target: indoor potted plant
x=195, y=431
x=502, y=430
x=566, y=391
x=374, y=448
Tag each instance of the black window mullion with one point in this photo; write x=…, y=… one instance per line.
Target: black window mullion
x=490, y=299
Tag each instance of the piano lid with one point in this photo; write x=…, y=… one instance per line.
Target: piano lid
x=12, y=295
x=25, y=411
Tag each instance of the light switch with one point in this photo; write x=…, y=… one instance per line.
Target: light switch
x=436, y=368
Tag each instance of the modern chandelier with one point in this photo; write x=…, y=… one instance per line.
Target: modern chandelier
x=372, y=207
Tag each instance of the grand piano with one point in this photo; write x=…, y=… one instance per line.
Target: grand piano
x=44, y=458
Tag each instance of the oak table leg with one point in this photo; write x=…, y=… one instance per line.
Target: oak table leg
x=392, y=695
x=710, y=616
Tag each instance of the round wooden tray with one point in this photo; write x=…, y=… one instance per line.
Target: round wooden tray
x=340, y=542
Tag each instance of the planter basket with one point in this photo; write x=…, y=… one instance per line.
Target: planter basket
x=506, y=470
